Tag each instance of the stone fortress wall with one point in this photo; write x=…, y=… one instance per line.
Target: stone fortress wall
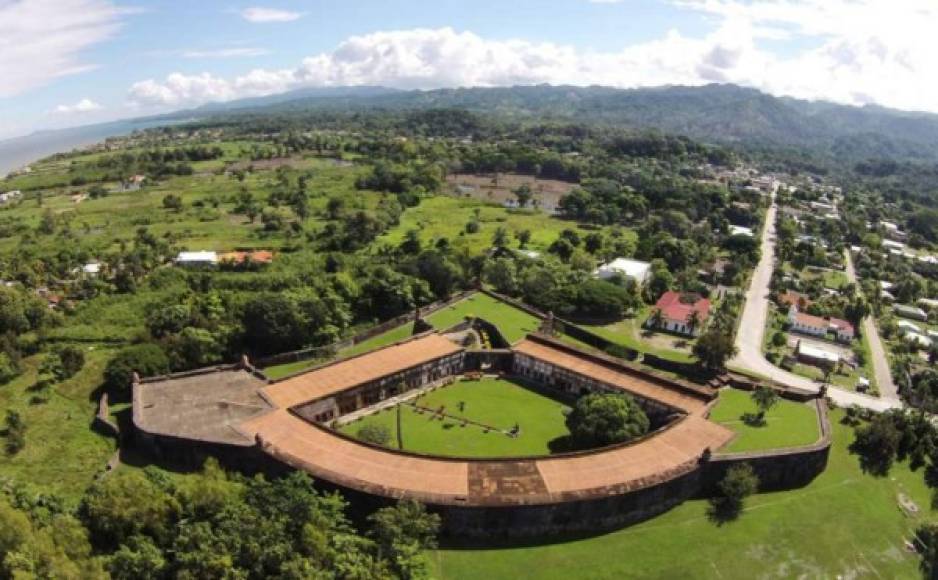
x=568, y=493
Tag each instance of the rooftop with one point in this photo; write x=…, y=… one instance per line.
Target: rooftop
x=626, y=267
x=348, y=373
x=205, y=405
x=678, y=307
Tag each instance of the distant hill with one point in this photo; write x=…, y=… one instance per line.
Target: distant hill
x=723, y=113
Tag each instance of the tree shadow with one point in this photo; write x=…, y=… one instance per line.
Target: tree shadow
x=563, y=444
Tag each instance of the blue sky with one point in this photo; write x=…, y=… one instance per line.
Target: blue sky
x=71, y=62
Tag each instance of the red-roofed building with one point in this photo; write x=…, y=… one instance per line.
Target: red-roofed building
x=680, y=313
x=256, y=257
x=796, y=299
x=817, y=326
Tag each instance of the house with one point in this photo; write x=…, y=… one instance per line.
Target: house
x=863, y=384
x=741, y=231
x=203, y=258
x=893, y=245
x=816, y=356
x=91, y=269
x=10, y=196
x=256, y=257
x=810, y=325
x=530, y=254
x=919, y=340
x=910, y=312
x=796, y=299
x=635, y=269
x=906, y=327
x=678, y=311
x=134, y=183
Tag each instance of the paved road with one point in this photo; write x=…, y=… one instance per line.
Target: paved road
x=887, y=388
x=752, y=329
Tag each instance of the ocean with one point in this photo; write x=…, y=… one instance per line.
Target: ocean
x=20, y=151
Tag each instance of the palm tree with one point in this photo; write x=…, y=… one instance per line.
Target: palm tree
x=693, y=321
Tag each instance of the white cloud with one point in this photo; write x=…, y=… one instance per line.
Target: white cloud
x=41, y=40
x=82, y=106
x=242, y=52
x=851, y=51
x=260, y=15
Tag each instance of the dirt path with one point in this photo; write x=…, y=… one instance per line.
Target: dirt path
x=749, y=337
x=887, y=388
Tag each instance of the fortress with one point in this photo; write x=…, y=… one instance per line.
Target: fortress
x=236, y=414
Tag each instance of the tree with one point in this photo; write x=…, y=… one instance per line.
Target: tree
x=15, y=432
x=604, y=419
x=97, y=191
x=144, y=359
x=523, y=237
x=375, y=434
x=403, y=533
x=411, y=244
x=764, y=398
x=877, y=444
x=739, y=482
x=126, y=504
x=500, y=237
x=72, y=359
x=524, y=194
x=778, y=339
x=172, y=202
x=139, y=558
x=693, y=321
x=714, y=348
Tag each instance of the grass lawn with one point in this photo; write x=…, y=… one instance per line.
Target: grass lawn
x=495, y=402
x=513, y=323
x=629, y=333
x=62, y=453
x=844, y=524
x=788, y=424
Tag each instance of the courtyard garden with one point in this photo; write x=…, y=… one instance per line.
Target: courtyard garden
x=490, y=417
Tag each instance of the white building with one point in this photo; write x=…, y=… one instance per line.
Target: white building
x=910, y=312
x=202, y=258
x=893, y=245
x=91, y=269
x=635, y=269
x=816, y=356
x=10, y=196
x=906, y=327
x=741, y=231
x=919, y=340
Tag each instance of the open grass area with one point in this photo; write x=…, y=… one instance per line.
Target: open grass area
x=62, y=453
x=498, y=403
x=513, y=323
x=425, y=218
x=787, y=424
x=845, y=524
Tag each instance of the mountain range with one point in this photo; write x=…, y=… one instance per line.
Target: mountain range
x=718, y=113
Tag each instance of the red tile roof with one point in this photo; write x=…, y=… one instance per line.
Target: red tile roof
x=257, y=256
x=793, y=298
x=673, y=308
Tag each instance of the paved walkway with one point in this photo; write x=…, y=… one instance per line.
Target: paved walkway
x=749, y=338
x=881, y=370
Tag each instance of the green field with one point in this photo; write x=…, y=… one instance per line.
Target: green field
x=497, y=403
x=513, y=323
x=845, y=524
x=62, y=453
x=788, y=424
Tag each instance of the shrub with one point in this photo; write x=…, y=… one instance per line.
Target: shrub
x=145, y=359
x=600, y=419
x=376, y=434
x=739, y=483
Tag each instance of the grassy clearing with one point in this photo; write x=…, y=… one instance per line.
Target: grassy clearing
x=494, y=402
x=513, y=323
x=62, y=453
x=844, y=524
x=425, y=218
x=788, y=424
